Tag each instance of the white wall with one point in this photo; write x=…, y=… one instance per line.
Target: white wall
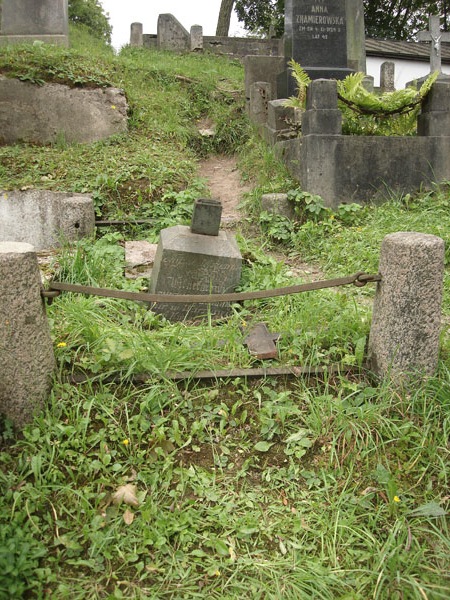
x=405, y=70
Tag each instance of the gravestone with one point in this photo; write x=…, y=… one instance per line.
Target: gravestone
x=136, y=35
x=172, y=35
x=196, y=38
x=24, y=21
x=435, y=36
x=387, y=77
x=196, y=263
x=316, y=38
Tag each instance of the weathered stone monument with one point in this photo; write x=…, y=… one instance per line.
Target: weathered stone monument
x=172, y=35
x=201, y=259
x=45, y=219
x=387, y=77
x=406, y=322
x=326, y=37
x=435, y=36
x=316, y=38
x=26, y=351
x=24, y=21
x=42, y=114
x=136, y=35
x=345, y=168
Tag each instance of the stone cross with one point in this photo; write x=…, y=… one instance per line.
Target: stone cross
x=436, y=37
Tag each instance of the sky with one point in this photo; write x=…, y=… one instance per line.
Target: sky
x=189, y=12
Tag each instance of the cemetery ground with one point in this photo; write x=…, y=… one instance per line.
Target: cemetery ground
x=323, y=487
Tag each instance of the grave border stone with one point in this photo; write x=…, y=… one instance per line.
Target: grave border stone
x=27, y=21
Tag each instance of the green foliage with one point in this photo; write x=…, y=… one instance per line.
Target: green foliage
x=46, y=63
x=259, y=16
x=391, y=113
x=302, y=81
x=90, y=14
x=331, y=487
x=395, y=19
x=20, y=553
x=364, y=112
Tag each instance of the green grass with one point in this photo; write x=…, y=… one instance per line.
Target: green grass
x=324, y=488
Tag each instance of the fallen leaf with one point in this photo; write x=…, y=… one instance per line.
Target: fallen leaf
x=263, y=446
x=126, y=494
x=128, y=516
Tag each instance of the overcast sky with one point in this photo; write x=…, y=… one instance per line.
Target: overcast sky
x=189, y=12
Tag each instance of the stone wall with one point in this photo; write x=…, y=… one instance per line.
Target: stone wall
x=43, y=114
x=344, y=169
x=241, y=47
x=45, y=219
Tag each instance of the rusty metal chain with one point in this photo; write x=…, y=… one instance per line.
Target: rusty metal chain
x=358, y=279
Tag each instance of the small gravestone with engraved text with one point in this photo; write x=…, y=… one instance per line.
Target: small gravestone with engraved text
x=196, y=260
x=316, y=38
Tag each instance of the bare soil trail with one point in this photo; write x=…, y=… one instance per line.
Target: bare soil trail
x=224, y=181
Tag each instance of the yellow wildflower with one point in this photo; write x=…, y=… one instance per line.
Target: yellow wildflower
x=126, y=442
x=61, y=345
x=397, y=499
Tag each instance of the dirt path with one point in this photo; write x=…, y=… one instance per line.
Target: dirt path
x=225, y=184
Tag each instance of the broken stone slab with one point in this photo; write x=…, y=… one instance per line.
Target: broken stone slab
x=43, y=114
x=261, y=343
x=45, y=219
x=139, y=258
x=278, y=204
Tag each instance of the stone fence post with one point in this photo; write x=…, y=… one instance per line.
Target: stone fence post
x=406, y=322
x=136, y=35
x=26, y=351
x=196, y=38
x=322, y=115
x=387, y=76
x=434, y=119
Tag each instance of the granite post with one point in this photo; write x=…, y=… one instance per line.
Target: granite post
x=136, y=35
x=26, y=352
x=387, y=76
x=406, y=322
x=196, y=38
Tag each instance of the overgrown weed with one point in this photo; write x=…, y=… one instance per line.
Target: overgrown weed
x=330, y=487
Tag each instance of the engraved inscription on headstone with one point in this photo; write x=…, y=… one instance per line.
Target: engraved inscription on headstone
x=316, y=37
x=318, y=29
x=194, y=264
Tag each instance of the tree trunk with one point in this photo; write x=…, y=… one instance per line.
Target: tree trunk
x=223, y=23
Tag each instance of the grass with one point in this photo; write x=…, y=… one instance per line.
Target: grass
x=324, y=488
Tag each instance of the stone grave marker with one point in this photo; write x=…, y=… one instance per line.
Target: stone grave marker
x=436, y=37
x=316, y=38
x=30, y=20
x=201, y=259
